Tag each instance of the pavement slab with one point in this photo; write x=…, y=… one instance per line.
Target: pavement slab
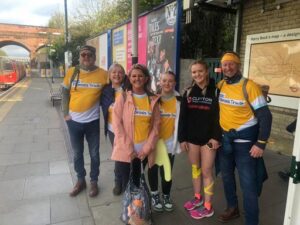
x=48, y=156
x=25, y=212
x=11, y=190
x=32, y=146
x=63, y=208
x=14, y=159
x=26, y=170
x=59, y=167
x=47, y=185
x=7, y=148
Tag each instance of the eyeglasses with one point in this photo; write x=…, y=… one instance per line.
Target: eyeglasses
x=83, y=55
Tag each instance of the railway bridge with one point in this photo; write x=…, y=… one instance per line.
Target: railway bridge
x=32, y=38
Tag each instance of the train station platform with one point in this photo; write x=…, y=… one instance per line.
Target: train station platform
x=36, y=171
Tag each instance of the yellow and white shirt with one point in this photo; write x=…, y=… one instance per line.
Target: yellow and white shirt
x=142, y=120
x=118, y=92
x=235, y=113
x=167, y=118
x=84, y=101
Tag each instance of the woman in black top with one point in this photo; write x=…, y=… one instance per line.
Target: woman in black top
x=199, y=135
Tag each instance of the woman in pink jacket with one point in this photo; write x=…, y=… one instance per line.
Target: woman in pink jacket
x=136, y=122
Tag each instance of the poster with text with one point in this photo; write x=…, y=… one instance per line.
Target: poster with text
x=103, y=59
x=142, y=42
x=119, y=44
x=161, y=45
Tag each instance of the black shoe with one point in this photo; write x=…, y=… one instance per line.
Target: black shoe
x=117, y=190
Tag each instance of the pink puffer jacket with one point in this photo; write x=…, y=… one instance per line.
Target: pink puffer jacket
x=123, y=125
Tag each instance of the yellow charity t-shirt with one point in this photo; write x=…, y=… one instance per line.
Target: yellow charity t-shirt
x=142, y=117
x=118, y=92
x=235, y=112
x=84, y=101
x=167, y=118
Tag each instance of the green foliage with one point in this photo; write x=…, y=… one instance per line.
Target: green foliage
x=149, y=5
x=2, y=53
x=57, y=20
x=209, y=34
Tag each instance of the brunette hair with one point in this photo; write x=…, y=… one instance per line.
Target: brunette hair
x=146, y=73
x=199, y=61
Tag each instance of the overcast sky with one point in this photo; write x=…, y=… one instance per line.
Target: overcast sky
x=29, y=12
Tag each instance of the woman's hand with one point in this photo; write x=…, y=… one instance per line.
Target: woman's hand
x=184, y=146
x=132, y=155
x=141, y=155
x=214, y=144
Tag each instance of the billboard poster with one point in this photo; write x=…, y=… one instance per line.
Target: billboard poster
x=95, y=43
x=119, y=44
x=161, y=45
x=103, y=59
x=142, y=42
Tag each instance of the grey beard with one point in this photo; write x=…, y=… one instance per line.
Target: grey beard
x=88, y=68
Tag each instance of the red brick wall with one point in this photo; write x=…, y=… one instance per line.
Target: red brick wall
x=30, y=37
x=256, y=21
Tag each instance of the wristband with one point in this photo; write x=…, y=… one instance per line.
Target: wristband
x=262, y=142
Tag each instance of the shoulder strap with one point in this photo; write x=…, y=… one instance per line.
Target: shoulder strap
x=75, y=73
x=246, y=96
x=218, y=90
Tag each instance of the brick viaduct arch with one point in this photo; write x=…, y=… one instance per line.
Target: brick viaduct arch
x=32, y=38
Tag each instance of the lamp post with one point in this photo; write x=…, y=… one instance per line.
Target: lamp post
x=66, y=25
x=67, y=53
x=134, y=32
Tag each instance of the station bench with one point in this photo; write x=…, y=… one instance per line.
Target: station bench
x=55, y=95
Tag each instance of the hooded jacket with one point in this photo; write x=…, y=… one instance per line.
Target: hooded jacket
x=199, y=115
x=123, y=125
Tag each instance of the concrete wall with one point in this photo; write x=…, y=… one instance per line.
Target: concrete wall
x=185, y=75
x=256, y=21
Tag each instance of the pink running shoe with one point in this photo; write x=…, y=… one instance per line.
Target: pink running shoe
x=201, y=213
x=192, y=204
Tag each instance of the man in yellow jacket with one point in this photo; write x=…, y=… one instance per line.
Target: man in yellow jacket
x=81, y=90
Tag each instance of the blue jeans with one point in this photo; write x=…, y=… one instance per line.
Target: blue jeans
x=237, y=155
x=91, y=131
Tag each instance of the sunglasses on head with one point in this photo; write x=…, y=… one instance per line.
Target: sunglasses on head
x=83, y=55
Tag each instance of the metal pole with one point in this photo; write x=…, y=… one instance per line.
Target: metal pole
x=66, y=24
x=134, y=28
x=238, y=28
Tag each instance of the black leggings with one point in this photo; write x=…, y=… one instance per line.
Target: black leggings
x=153, y=177
x=136, y=170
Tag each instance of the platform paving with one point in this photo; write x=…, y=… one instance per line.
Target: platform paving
x=36, y=171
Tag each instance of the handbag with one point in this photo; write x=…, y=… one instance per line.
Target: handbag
x=136, y=203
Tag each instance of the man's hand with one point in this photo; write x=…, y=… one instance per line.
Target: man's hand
x=256, y=152
x=67, y=117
